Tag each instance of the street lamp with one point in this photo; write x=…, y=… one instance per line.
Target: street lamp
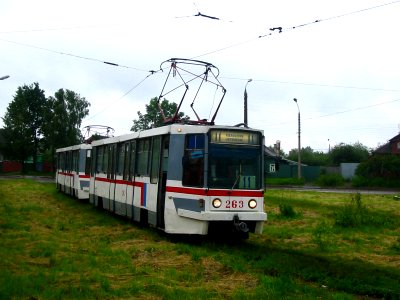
x=245, y=103
x=4, y=77
x=299, y=144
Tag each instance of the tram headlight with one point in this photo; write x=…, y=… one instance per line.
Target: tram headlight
x=217, y=203
x=252, y=203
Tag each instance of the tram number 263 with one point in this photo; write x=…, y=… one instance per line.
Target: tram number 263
x=234, y=204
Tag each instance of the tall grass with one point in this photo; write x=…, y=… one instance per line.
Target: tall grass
x=356, y=214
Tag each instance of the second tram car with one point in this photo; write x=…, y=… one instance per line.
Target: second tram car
x=183, y=179
x=73, y=170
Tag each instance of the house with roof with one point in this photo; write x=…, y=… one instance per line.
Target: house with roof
x=276, y=166
x=391, y=147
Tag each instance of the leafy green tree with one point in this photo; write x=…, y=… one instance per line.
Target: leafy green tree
x=64, y=115
x=23, y=122
x=309, y=156
x=345, y=153
x=153, y=118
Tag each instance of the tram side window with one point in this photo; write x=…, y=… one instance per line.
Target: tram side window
x=126, y=161
x=93, y=162
x=69, y=161
x=105, y=159
x=99, y=160
x=88, y=162
x=121, y=159
x=155, y=159
x=61, y=163
x=193, y=160
x=75, y=160
x=111, y=161
x=132, y=160
x=102, y=159
x=143, y=152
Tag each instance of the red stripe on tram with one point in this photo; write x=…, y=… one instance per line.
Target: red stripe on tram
x=220, y=193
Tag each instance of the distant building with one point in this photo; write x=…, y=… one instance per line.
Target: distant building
x=391, y=147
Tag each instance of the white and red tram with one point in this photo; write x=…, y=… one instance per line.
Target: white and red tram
x=183, y=179
x=73, y=170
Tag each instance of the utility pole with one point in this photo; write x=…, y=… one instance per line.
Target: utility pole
x=299, y=143
x=245, y=103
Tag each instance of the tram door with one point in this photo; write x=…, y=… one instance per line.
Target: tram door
x=69, y=175
x=111, y=175
x=163, y=181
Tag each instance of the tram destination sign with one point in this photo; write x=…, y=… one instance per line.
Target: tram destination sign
x=235, y=137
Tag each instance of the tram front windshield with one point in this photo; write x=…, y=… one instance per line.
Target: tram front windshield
x=234, y=166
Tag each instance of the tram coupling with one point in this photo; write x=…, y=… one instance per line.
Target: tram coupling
x=239, y=226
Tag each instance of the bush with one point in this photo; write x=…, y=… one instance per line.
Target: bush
x=287, y=211
x=381, y=166
x=322, y=235
x=356, y=214
x=330, y=180
x=352, y=214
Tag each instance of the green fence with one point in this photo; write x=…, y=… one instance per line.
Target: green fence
x=309, y=173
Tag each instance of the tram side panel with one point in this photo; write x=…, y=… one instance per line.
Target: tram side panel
x=177, y=196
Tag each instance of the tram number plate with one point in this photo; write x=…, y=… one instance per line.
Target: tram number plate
x=234, y=204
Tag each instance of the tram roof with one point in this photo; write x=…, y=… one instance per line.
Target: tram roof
x=168, y=129
x=74, y=147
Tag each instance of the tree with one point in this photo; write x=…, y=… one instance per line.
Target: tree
x=345, y=153
x=309, y=156
x=153, y=118
x=23, y=121
x=64, y=115
x=380, y=166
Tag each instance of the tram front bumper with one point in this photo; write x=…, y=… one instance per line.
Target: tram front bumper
x=222, y=216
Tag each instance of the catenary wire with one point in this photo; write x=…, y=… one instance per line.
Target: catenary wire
x=74, y=55
x=279, y=29
x=313, y=84
x=336, y=113
x=125, y=94
x=273, y=30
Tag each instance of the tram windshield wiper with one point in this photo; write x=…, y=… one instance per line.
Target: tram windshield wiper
x=236, y=180
x=238, y=176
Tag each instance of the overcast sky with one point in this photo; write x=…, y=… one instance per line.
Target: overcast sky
x=343, y=65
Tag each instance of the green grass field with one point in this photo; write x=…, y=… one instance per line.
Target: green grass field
x=315, y=245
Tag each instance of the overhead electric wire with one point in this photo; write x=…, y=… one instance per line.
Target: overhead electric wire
x=125, y=94
x=314, y=84
x=353, y=109
x=273, y=30
x=74, y=55
x=336, y=113
x=279, y=29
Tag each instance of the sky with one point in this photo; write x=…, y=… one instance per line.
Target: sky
x=338, y=58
